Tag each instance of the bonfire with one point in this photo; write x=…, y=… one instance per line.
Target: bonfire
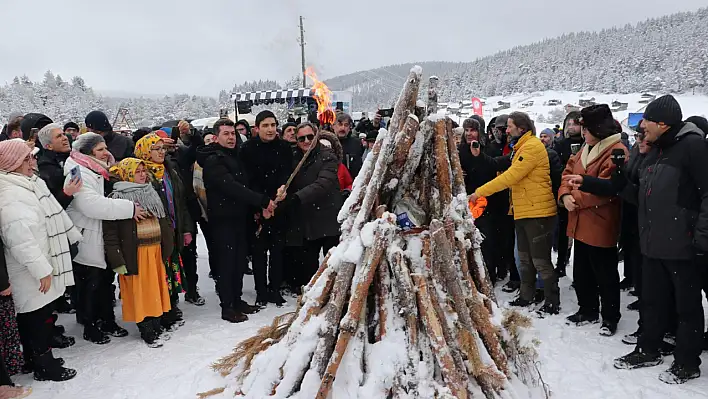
x=403, y=307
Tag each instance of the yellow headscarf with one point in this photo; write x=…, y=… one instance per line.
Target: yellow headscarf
x=125, y=169
x=142, y=151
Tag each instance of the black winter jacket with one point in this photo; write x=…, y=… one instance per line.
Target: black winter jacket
x=316, y=187
x=564, y=148
x=120, y=146
x=672, y=193
x=478, y=171
x=51, y=170
x=225, y=181
x=353, y=157
x=185, y=157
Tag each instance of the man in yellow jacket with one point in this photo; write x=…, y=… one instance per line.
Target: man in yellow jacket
x=529, y=179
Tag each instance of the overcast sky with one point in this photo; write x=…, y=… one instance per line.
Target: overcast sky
x=202, y=46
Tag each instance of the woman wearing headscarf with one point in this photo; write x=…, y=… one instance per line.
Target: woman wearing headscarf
x=138, y=249
x=90, y=160
x=165, y=178
x=37, y=235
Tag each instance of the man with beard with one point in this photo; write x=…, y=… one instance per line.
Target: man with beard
x=267, y=160
x=566, y=148
x=229, y=207
x=353, y=150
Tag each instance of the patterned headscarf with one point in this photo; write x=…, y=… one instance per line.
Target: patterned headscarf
x=125, y=169
x=142, y=151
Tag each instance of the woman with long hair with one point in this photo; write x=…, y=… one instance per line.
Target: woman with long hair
x=165, y=179
x=138, y=249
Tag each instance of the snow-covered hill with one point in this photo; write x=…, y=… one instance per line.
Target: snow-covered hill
x=548, y=115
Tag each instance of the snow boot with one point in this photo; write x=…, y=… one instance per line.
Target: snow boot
x=233, y=316
x=511, y=286
x=149, y=335
x=608, y=328
x=61, y=341
x=638, y=359
x=195, y=299
x=705, y=341
x=633, y=338
x=243, y=307
x=626, y=284
x=581, y=319
x=539, y=297
x=93, y=334
x=548, y=309
x=261, y=301
x=634, y=306
x=177, y=313
x=679, y=374
x=560, y=271
x=633, y=293
x=520, y=303
x=46, y=368
x=275, y=297
x=666, y=348
x=112, y=328
x=248, y=272
x=162, y=333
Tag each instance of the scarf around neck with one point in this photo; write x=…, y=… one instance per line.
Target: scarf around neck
x=61, y=232
x=91, y=163
x=141, y=194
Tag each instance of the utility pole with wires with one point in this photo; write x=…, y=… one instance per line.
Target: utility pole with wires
x=302, y=50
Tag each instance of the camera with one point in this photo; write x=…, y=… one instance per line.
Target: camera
x=475, y=144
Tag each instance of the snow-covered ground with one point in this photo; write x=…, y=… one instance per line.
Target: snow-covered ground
x=576, y=363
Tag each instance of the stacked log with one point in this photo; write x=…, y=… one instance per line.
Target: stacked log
x=394, y=312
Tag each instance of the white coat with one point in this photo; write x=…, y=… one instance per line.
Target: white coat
x=89, y=209
x=24, y=232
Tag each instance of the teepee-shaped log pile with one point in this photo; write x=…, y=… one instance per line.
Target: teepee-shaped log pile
x=394, y=313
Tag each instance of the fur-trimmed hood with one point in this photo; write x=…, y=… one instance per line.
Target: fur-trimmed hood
x=336, y=145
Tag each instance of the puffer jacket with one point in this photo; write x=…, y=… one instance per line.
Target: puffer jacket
x=89, y=209
x=596, y=220
x=24, y=233
x=529, y=179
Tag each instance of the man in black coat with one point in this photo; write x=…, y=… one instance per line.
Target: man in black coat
x=352, y=147
x=120, y=146
x=267, y=160
x=229, y=207
x=672, y=192
x=566, y=148
x=312, y=204
x=51, y=163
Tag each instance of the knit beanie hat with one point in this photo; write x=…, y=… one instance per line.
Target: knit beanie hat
x=598, y=120
x=13, y=153
x=86, y=142
x=288, y=124
x=665, y=110
x=263, y=115
x=548, y=131
x=71, y=125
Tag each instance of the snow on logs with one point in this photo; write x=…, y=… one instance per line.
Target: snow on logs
x=394, y=313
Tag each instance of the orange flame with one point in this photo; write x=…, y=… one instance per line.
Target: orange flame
x=323, y=96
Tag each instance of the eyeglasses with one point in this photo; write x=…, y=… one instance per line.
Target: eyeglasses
x=158, y=149
x=308, y=137
x=640, y=136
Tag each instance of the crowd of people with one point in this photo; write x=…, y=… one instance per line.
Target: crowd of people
x=80, y=211
x=583, y=185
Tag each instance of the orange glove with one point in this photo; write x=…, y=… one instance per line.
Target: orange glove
x=477, y=207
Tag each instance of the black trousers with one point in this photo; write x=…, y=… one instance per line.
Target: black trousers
x=35, y=331
x=307, y=258
x=267, y=259
x=4, y=375
x=663, y=282
x=506, y=233
x=189, y=264
x=206, y=230
x=633, y=262
x=94, y=293
x=230, y=244
x=595, y=275
x=562, y=239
